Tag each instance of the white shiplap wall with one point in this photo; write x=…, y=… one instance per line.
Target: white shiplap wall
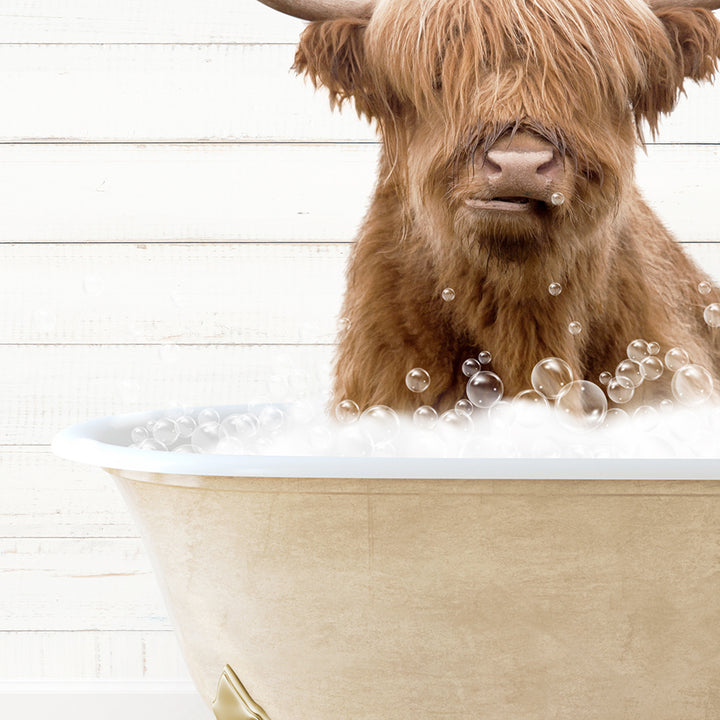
x=163, y=241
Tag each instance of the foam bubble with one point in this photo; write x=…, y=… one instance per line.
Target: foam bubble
x=638, y=350
x=417, y=380
x=620, y=390
x=470, y=367
x=712, y=315
x=484, y=389
x=651, y=367
x=550, y=377
x=675, y=358
x=631, y=371
x=582, y=406
x=425, y=417
x=692, y=385
x=347, y=411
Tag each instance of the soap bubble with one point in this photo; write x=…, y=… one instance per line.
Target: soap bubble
x=616, y=418
x=554, y=289
x=654, y=348
x=666, y=405
x=692, y=385
x=712, y=315
x=582, y=406
x=347, y=412
x=470, y=367
x=651, y=367
x=417, y=380
x=185, y=449
x=638, y=350
x=676, y=358
x=139, y=433
x=343, y=324
x=605, y=377
x=448, y=294
x=381, y=423
x=152, y=444
x=208, y=415
x=646, y=418
x=557, y=199
x=166, y=431
x=484, y=389
x=530, y=398
x=452, y=420
x=271, y=418
x=484, y=357
x=704, y=287
x=425, y=417
x=620, y=390
x=574, y=328
x=631, y=371
x=550, y=377
x=186, y=424
x=239, y=425
x=464, y=407
x=205, y=437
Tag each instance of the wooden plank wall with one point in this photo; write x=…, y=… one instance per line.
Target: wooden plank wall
x=177, y=209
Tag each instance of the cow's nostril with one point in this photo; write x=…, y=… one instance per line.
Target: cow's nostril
x=491, y=167
x=548, y=167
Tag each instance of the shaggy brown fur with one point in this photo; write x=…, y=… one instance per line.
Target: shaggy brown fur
x=448, y=81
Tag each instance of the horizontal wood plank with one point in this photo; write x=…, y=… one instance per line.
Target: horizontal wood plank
x=110, y=700
x=47, y=388
x=91, y=654
x=182, y=93
x=95, y=293
x=158, y=93
x=78, y=584
x=210, y=292
x=318, y=193
x=136, y=21
x=42, y=496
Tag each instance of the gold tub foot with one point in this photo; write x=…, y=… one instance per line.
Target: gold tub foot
x=233, y=702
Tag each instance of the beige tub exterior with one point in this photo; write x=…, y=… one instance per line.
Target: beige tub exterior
x=414, y=599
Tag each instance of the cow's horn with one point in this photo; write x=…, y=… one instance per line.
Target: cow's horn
x=662, y=4
x=323, y=9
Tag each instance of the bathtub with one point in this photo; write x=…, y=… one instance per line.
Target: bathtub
x=325, y=588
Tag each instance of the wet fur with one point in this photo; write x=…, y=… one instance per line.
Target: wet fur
x=444, y=80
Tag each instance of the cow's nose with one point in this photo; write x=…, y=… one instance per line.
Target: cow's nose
x=522, y=169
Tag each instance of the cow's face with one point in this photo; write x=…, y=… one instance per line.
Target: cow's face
x=508, y=120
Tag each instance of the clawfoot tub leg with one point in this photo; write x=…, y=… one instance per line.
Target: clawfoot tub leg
x=232, y=700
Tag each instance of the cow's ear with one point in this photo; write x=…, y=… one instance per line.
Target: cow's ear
x=695, y=38
x=332, y=53
x=691, y=51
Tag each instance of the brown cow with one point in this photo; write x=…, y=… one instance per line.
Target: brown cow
x=509, y=130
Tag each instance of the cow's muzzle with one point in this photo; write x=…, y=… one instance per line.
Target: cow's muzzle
x=516, y=174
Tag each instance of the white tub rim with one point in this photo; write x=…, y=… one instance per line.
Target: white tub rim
x=91, y=443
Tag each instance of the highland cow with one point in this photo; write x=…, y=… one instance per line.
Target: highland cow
x=509, y=130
